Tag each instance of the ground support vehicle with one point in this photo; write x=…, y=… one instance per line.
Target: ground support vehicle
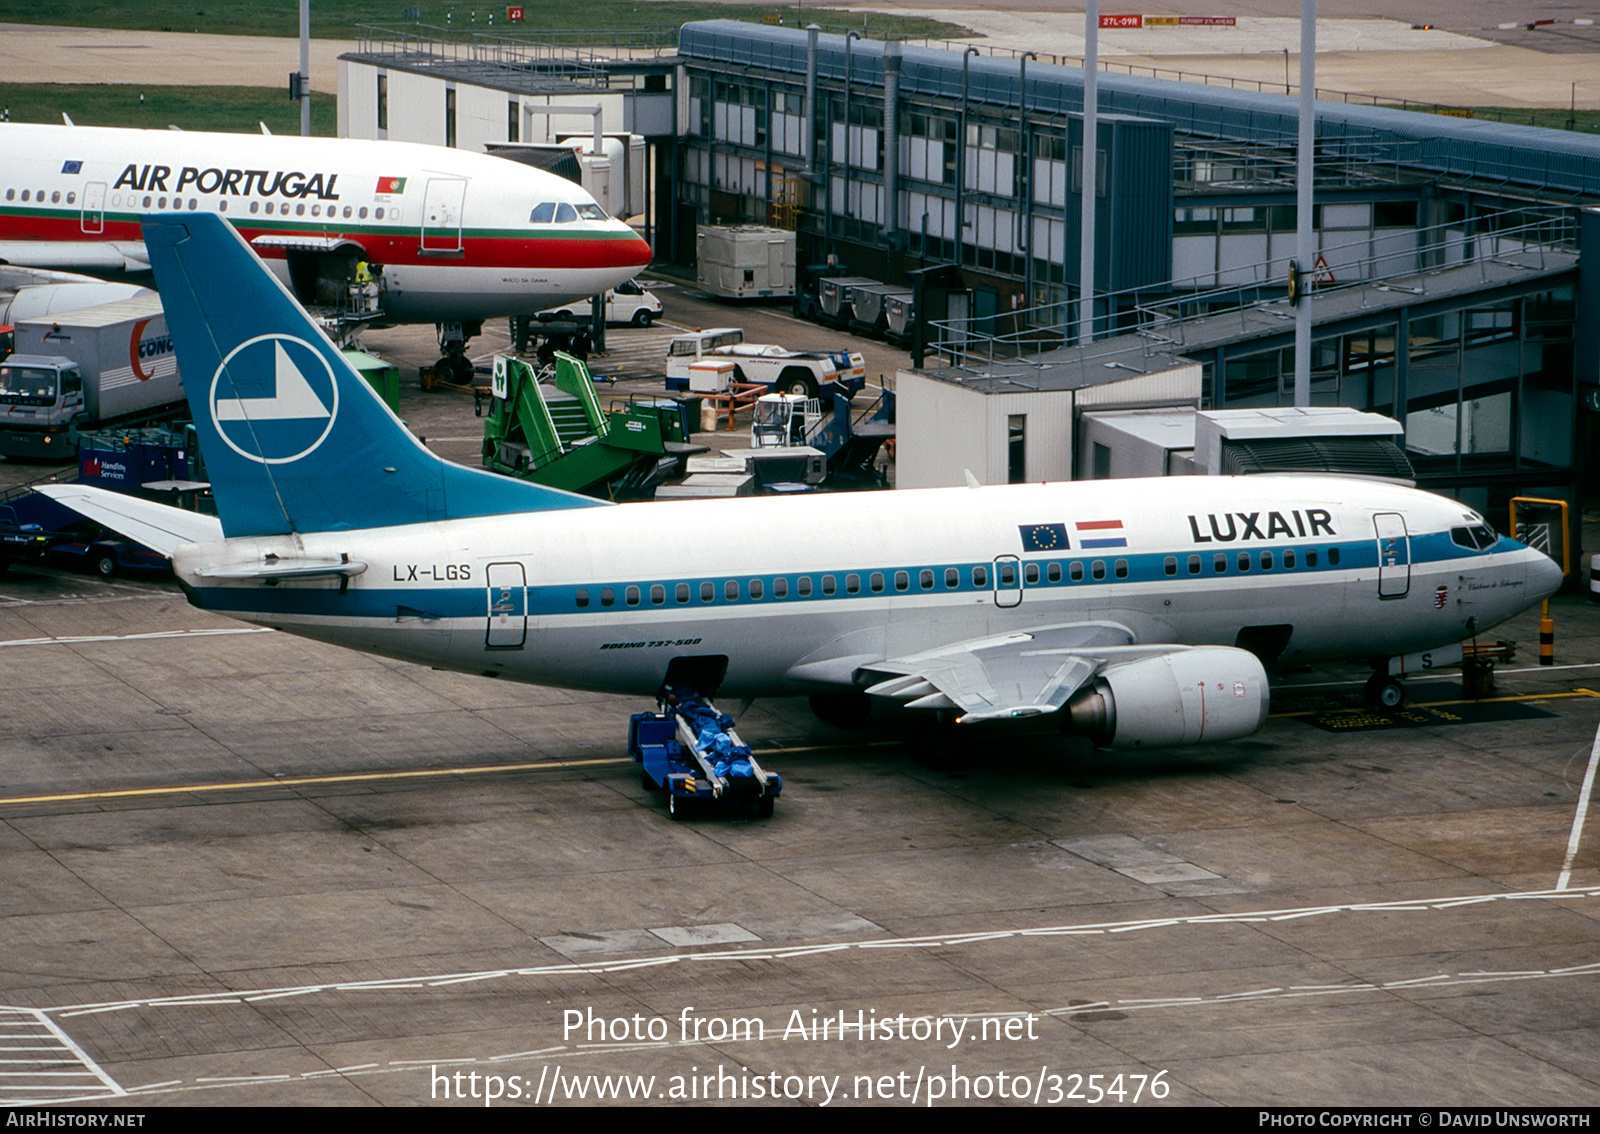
x=813, y=373
x=744, y=261
x=558, y=434
x=849, y=443
x=626, y=303
x=78, y=370
x=690, y=751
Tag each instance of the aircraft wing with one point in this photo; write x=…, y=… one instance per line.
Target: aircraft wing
x=1021, y=674
x=77, y=255
x=159, y=527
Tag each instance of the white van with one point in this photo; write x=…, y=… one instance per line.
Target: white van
x=625, y=303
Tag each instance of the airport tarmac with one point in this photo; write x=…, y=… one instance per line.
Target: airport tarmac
x=239, y=867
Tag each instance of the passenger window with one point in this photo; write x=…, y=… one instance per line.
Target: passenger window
x=925, y=579
x=952, y=578
x=1008, y=574
x=875, y=581
x=1053, y=573
x=1098, y=569
x=803, y=586
x=681, y=592
x=632, y=594
x=1333, y=557
x=1311, y=557
x=1266, y=560
x=827, y=585
x=1194, y=565
x=980, y=576
x=1288, y=560
x=658, y=594
x=1122, y=568
x=757, y=589
x=780, y=587
x=1076, y=572
x=902, y=581
x=708, y=592
x=1171, y=564
x=608, y=596
x=583, y=598
x=1219, y=564
x=1030, y=574
x=852, y=584
x=1244, y=561
x=730, y=590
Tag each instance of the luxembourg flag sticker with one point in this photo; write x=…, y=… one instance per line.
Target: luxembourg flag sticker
x=1100, y=533
x=391, y=185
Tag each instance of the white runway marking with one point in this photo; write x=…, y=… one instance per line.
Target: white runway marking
x=76, y=639
x=795, y=952
x=1576, y=837
x=39, y=1063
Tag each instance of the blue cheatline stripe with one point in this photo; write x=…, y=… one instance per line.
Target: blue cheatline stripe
x=467, y=599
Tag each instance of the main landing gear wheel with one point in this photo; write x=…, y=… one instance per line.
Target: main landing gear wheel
x=1385, y=692
x=455, y=368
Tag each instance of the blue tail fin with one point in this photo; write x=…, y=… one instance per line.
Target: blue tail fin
x=294, y=439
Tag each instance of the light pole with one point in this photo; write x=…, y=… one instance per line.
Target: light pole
x=961, y=157
x=1025, y=220
x=848, y=64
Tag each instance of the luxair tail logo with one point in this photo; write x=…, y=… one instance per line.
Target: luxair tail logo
x=274, y=399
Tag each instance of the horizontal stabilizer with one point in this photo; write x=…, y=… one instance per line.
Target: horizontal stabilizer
x=159, y=527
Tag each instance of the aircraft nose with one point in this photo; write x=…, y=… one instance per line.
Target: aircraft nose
x=1543, y=575
x=640, y=253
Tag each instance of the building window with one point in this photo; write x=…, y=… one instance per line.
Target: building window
x=383, y=101
x=450, y=116
x=1017, y=448
x=513, y=122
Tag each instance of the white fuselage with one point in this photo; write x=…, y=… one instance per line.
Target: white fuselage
x=449, y=235
x=801, y=593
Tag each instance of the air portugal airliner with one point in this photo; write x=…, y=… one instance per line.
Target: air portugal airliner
x=1137, y=613
x=459, y=237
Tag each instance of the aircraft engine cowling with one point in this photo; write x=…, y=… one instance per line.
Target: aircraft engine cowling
x=1185, y=696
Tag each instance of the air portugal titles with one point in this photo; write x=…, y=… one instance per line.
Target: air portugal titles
x=1232, y=527
x=233, y=182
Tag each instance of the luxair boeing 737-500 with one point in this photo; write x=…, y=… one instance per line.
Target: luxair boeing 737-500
x=1135, y=612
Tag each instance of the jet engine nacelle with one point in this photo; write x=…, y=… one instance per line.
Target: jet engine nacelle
x=1185, y=696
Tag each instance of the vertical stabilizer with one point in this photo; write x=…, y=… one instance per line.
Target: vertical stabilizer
x=294, y=439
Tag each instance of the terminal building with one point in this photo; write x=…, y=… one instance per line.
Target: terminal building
x=1449, y=288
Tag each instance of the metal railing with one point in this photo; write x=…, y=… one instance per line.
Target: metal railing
x=1194, y=309
x=1536, y=116
x=578, y=56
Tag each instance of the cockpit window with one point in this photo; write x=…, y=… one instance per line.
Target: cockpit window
x=591, y=212
x=1478, y=537
x=565, y=213
x=543, y=213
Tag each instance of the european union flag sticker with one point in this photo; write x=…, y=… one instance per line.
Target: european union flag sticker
x=1045, y=537
x=72, y=167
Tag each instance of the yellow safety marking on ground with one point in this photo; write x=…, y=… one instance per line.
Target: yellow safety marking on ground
x=303, y=781
x=1437, y=704
x=375, y=777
